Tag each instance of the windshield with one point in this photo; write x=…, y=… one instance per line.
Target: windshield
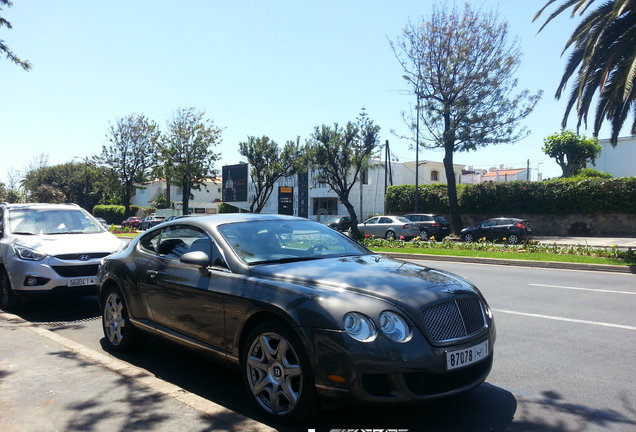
x=47, y=222
x=284, y=241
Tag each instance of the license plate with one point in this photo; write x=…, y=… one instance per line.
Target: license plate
x=467, y=356
x=92, y=280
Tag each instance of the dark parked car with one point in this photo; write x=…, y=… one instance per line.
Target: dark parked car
x=302, y=311
x=132, y=222
x=340, y=223
x=511, y=229
x=150, y=221
x=430, y=225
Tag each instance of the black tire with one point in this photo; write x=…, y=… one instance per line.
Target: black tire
x=513, y=239
x=468, y=237
x=390, y=235
x=277, y=373
x=9, y=301
x=424, y=234
x=120, y=334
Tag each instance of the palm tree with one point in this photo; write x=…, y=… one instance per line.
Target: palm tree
x=604, y=53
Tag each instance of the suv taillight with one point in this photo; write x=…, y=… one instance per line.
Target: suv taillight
x=520, y=225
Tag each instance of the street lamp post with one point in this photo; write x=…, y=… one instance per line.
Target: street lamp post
x=417, y=140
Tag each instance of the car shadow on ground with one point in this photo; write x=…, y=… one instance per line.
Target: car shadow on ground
x=59, y=312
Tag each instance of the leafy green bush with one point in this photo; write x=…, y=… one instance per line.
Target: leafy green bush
x=113, y=214
x=557, y=196
x=591, y=172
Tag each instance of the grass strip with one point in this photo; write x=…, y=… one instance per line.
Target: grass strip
x=529, y=256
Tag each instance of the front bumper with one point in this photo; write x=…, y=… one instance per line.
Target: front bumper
x=387, y=372
x=52, y=275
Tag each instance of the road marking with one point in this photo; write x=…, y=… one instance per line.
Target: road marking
x=584, y=289
x=556, y=318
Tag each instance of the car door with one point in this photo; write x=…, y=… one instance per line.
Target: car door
x=369, y=226
x=385, y=224
x=486, y=229
x=502, y=228
x=184, y=298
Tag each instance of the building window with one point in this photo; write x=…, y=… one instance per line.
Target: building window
x=434, y=175
x=364, y=174
x=325, y=206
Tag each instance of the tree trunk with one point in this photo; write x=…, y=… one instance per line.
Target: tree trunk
x=352, y=215
x=185, y=197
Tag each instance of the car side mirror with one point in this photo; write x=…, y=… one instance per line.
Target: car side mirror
x=196, y=258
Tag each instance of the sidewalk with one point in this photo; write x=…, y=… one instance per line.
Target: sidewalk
x=49, y=383
x=620, y=242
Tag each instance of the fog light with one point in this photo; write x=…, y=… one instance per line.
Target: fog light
x=31, y=281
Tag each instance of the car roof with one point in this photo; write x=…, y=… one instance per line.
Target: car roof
x=41, y=206
x=227, y=218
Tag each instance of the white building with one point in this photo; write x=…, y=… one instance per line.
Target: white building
x=618, y=161
x=367, y=198
x=205, y=201
x=313, y=200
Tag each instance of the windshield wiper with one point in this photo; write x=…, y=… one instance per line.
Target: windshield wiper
x=23, y=233
x=287, y=260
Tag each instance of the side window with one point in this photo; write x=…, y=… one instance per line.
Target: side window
x=372, y=221
x=149, y=243
x=177, y=239
x=384, y=220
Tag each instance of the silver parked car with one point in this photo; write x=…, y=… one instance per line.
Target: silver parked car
x=389, y=227
x=50, y=248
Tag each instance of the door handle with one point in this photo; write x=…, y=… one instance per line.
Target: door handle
x=152, y=274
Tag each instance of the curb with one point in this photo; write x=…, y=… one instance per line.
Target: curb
x=514, y=262
x=139, y=375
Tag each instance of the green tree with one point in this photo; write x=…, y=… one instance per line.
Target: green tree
x=461, y=68
x=189, y=141
x=268, y=163
x=4, y=48
x=132, y=153
x=602, y=62
x=571, y=151
x=83, y=183
x=338, y=156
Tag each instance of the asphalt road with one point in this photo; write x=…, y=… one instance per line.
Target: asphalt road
x=564, y=358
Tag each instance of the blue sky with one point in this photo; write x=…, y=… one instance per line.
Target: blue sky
x=275, y=68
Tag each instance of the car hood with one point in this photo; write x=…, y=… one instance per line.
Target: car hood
x=373, y=275
x=62, y=244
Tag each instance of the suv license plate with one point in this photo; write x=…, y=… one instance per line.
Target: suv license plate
x=466, y=356
x=92, y=280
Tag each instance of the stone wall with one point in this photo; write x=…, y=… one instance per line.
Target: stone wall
x=600, y=224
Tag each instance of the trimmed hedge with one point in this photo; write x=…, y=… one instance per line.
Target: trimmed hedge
x=114, y=214
x=558, y=196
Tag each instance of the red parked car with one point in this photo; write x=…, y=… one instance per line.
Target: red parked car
x=132, y=222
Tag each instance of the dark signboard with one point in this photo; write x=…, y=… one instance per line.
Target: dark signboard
x=234, y=179
x=286, y=200
x=303, y=195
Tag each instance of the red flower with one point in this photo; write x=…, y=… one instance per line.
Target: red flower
x=366, y=236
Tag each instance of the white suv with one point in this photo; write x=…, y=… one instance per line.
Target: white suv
x=50, y=248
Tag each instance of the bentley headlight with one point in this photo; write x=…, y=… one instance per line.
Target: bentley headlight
x=359, y=327
x=27, y=253
x=394, y=326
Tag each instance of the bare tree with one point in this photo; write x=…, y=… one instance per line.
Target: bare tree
x=460, y=66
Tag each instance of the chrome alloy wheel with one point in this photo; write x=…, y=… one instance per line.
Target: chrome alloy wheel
x=274, y=373
x=114, y=319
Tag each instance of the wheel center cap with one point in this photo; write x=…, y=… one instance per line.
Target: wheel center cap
x=276, y=372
